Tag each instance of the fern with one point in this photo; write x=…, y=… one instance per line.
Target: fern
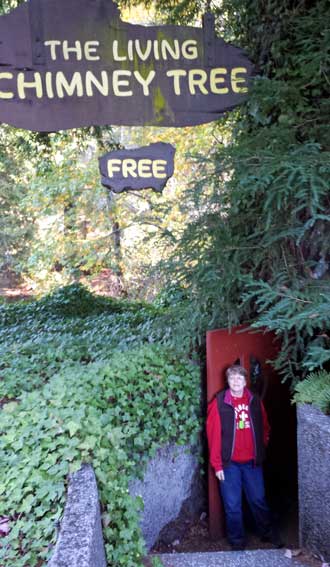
x=257, y=245
x=315, y=390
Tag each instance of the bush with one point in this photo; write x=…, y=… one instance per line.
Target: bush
x=73, y=300
x=84, y=389
x=71, y=325
x=315, y=389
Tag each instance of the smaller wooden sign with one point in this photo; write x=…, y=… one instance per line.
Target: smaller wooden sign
x=149, y=167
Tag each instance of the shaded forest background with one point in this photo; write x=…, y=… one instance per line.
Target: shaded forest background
x=241, y=233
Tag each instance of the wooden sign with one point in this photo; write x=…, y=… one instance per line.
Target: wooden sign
x=72, y=63
x=141, y=168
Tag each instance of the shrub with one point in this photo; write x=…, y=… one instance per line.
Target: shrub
x=113, y=413
x=315, y=389
x=69, y=326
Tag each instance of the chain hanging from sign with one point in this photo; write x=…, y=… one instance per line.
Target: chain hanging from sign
x=73, y=63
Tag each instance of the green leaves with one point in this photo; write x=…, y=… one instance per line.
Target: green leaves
x=315, y=389
x=257, y=246
x=112, y=412
x=72, y=427
x=10, y=407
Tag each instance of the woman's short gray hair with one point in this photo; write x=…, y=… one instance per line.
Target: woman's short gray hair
x=236, y=369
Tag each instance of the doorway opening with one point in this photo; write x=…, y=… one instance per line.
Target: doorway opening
x=254, y=350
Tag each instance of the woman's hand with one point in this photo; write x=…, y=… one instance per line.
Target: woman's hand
x=220, y=475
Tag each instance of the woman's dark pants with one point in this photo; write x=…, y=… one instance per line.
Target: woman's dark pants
x=248, y=478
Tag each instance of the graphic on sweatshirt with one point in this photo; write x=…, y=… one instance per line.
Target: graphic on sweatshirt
x=242, y=416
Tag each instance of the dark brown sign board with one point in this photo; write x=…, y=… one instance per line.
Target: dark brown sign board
x=142, y=168
x=72, y=63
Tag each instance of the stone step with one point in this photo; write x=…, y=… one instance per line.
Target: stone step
x=255, y=558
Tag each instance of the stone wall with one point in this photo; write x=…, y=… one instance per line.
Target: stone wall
x=314, y=479
x=171, y=490
x=80, y=541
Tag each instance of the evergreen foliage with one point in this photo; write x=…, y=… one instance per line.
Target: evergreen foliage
x=256, y=249
x=315, y=389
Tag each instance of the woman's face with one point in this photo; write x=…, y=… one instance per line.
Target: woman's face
x=236, y=383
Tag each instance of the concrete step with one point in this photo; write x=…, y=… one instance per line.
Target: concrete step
x=255, y=558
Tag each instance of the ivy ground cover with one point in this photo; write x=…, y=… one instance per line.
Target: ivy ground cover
x=84, y=379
